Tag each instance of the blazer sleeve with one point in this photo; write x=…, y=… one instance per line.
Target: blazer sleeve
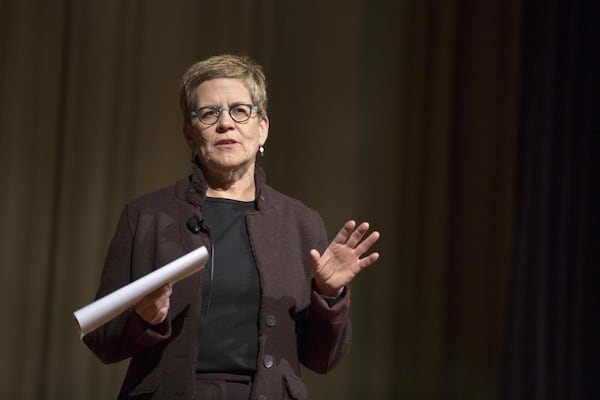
x=127, y=334
x=327, y=333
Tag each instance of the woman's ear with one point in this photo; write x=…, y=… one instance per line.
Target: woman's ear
x=188, y=134
x=263, y=130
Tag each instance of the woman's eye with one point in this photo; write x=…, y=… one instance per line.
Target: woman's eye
x=240, y=111
x=208, y=113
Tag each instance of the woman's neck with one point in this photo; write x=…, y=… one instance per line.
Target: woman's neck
x=232, y=185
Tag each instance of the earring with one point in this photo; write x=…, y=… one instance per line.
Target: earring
x=261, y=150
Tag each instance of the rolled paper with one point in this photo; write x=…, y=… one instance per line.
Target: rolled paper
x=108, y=307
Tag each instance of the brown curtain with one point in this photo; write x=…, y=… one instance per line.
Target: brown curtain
x=400, y=112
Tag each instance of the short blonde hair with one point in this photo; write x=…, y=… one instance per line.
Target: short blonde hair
x=223, y=66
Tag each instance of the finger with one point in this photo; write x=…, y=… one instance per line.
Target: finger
x=156, y=314
x=162, y=313
x=143, y=306
x=163, y=291
x=366, y=244
x=169, y=288
x=344, y=233
x=146, y=310
x=146, y=314
x=158, y=318
x=357, y=235
x=368, y=260
x=160, y=294
x=149, y=305
x=161, y=302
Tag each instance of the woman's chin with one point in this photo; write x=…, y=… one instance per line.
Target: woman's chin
x=230, y=165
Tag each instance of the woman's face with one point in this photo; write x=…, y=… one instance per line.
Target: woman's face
x=226, y=145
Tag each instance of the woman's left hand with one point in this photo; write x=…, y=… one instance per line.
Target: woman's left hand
x=341, y=261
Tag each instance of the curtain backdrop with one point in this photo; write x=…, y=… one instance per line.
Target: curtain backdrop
x=552, y=347
x=404, y=113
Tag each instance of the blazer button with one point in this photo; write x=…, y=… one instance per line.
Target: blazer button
x=268, y=361
x=270, y=320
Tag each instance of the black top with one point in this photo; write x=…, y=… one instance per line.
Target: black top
x=228, y=335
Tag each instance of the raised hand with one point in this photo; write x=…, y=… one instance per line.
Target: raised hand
x=341, y=261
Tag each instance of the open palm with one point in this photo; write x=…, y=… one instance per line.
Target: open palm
x=341, y=261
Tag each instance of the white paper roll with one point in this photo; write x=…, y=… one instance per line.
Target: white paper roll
x=108, y=307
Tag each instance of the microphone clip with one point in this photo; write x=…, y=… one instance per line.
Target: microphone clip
x=194, y=224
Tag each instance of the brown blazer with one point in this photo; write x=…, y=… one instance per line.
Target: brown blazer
x=295, y=324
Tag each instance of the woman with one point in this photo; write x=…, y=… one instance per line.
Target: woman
x=273, y=295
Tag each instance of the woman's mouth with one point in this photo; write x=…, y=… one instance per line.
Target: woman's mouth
x=226, y=143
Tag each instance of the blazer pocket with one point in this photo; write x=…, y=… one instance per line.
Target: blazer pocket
x=295, y=388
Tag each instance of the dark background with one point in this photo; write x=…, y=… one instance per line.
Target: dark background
x=465, y=131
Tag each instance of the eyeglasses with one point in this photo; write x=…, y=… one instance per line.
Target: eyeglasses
x=211, y=114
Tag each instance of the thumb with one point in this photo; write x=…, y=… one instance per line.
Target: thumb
x=315, y=257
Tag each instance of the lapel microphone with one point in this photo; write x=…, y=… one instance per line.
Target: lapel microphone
x=194, y=224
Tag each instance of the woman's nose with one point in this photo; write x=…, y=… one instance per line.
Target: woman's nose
x=225, y=122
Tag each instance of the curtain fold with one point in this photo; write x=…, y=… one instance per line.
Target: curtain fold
x=552, y=350
x=440, y=182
